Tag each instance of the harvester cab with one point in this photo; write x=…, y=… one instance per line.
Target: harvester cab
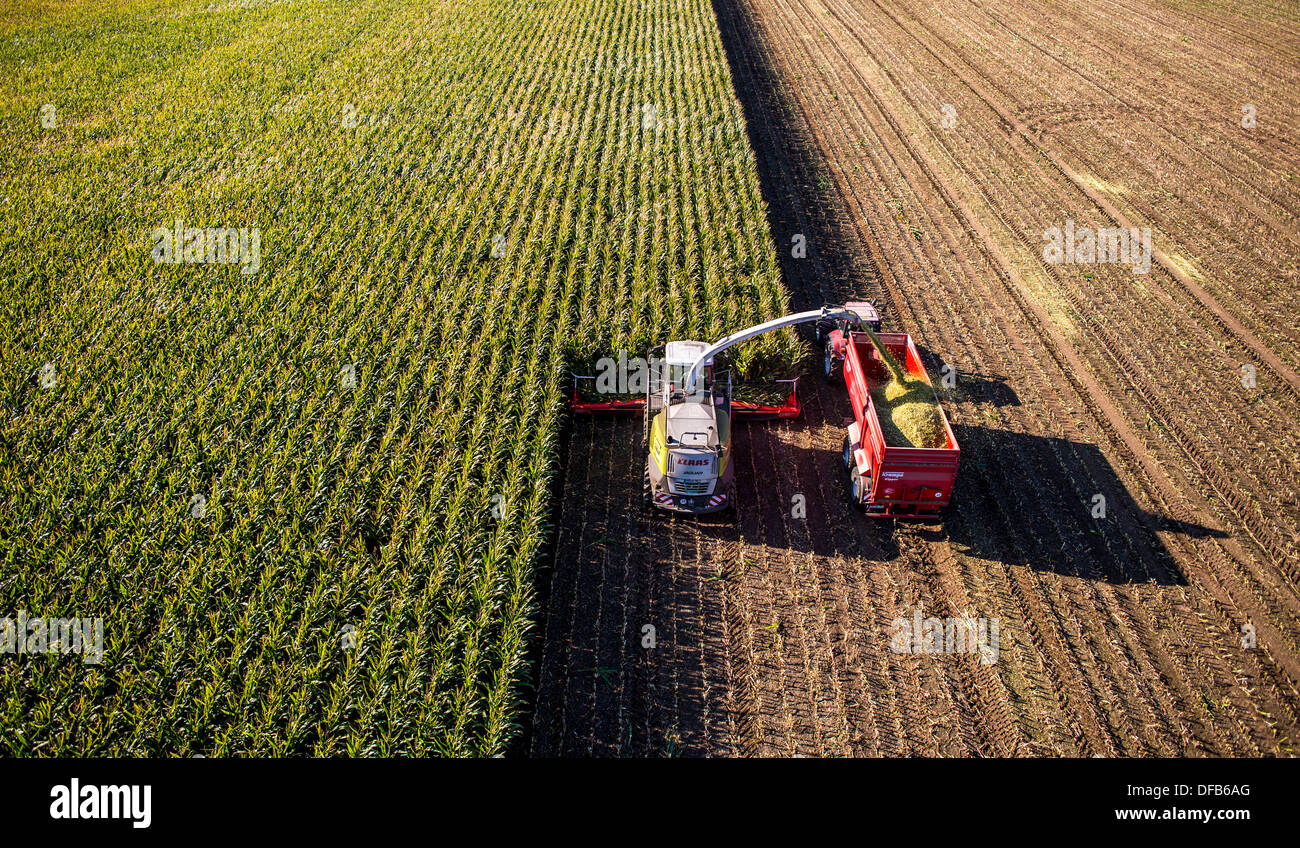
x=687, y=430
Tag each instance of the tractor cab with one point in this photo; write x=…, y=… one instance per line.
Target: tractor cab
x=833, y=331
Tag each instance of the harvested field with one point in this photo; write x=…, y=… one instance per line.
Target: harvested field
x=1168, y=626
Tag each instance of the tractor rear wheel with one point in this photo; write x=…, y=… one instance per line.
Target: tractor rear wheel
x=830, y=365
x=848, y=454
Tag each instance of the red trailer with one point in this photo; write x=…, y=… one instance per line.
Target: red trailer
x=887, y=480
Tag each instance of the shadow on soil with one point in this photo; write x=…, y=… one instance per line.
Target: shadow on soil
x=1045, y=503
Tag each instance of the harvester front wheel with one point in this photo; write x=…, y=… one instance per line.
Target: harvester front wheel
x=847, y=454
x=646, y=496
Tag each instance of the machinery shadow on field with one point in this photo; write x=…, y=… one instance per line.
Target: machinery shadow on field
x=1045, y=503
x=1073, y=516
x=993, y=389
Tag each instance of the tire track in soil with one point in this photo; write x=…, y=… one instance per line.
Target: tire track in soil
x=913, y=595
x=832, y=451
x=871, y=707
x=1122, y=362
x=921, y=717
x=841, y=89
x=1227, y=490
x=979, y=230
x=1167, y=130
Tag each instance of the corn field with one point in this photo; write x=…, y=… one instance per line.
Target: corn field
x=307, y=491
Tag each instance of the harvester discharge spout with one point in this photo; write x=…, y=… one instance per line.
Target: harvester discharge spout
x=826, y=312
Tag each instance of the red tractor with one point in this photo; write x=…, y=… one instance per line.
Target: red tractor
x=833, y=330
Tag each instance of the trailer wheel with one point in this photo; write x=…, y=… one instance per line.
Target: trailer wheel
x=830, y=365
x=848, y=454
x=857, y=487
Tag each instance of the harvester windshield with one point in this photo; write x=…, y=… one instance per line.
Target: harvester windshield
x=678, y=359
